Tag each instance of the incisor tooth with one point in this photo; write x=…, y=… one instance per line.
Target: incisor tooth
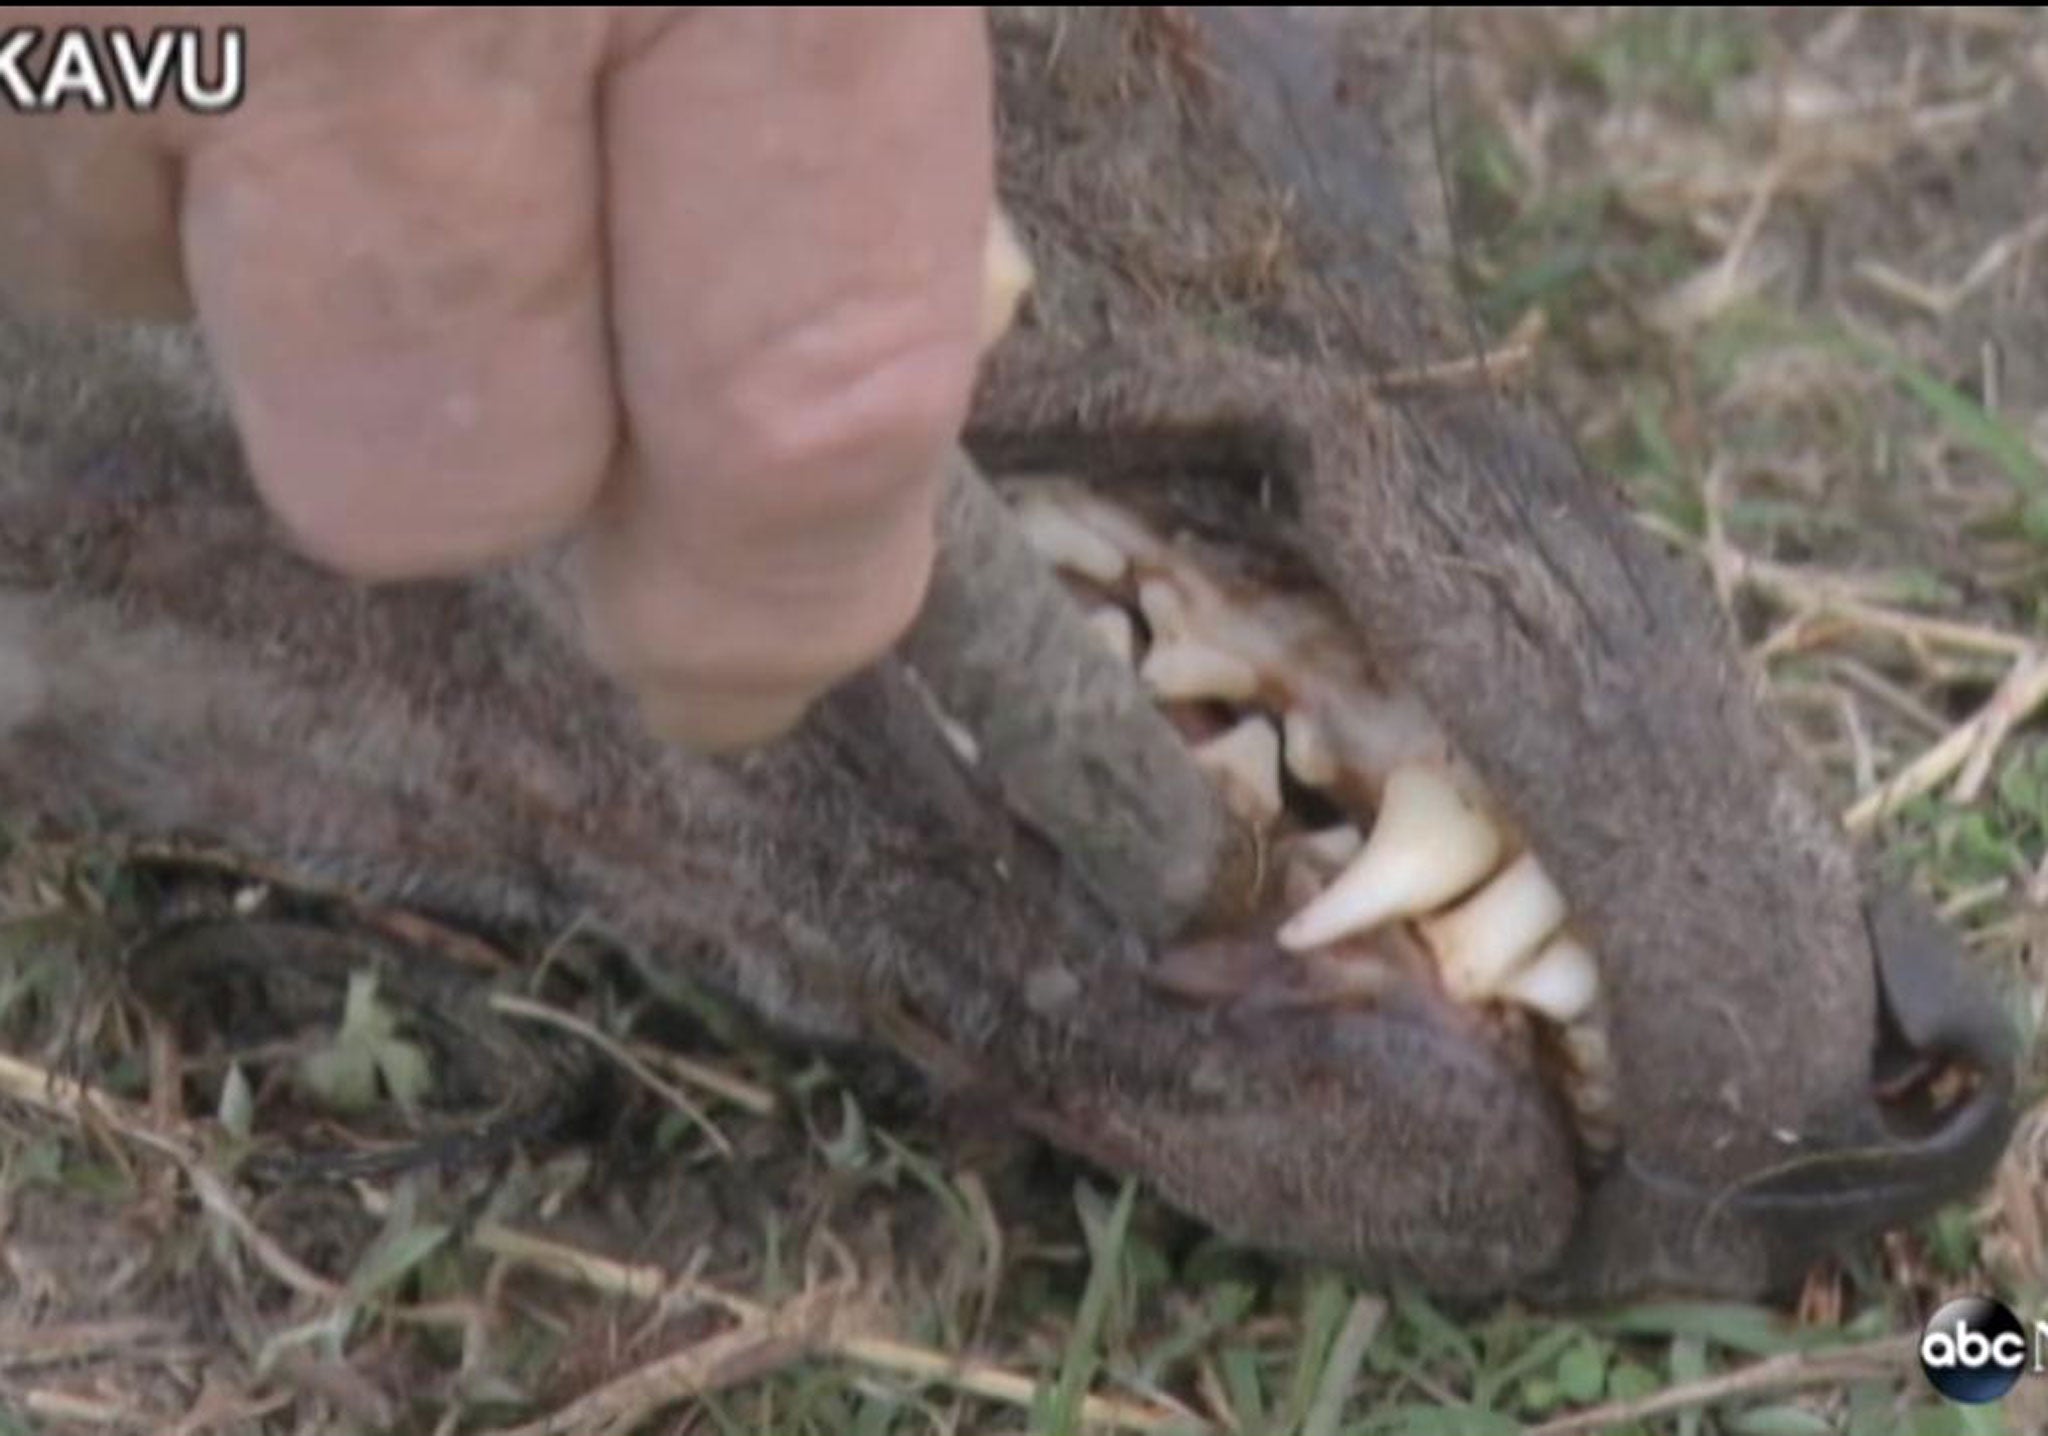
x=1309, y=757
x=1562, y=983
x=1246, y=762
x=1184, y=670
x=1114, y=627
x=1065, y=542
x=1479, y=943
x=1428, y=846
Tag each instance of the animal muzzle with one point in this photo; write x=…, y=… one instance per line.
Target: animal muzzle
x=1546, y=967
x=1392, y=892
x=1934, y=1121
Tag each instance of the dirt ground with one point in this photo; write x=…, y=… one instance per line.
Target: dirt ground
x=1785, y=275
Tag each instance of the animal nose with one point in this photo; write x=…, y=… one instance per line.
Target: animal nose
x=1928, y=1129
x=1940, y=1108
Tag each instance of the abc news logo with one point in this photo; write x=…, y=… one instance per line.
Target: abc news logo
x=1975, y=1350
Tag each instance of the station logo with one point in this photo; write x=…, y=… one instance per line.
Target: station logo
x=1974, y=1350
x=95, y=69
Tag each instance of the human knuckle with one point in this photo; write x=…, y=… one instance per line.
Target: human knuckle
x=857, y=426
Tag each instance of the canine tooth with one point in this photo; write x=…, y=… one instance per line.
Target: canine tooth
x=1066, y=542
x=1487, y=937
x=1562, y=983
x=1114, y=627
x=1309, y=757
x=1185, y=669
x=1246, y=761
x=1428, y=846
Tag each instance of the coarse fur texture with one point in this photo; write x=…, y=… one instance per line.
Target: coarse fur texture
x=1228, y=297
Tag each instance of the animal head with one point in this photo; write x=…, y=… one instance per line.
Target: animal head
x=1684, y=1044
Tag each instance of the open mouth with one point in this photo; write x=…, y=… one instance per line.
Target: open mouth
x=1386, y=877
x=1385, y=872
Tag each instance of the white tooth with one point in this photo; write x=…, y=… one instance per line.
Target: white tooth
x=1428, y=846
x=1114, y=627
x=1184, y=669
x=1479, y=943
x=1066, y=542
x=1246, y=762
x=1309, y=757
x=1562, y=983
x=1166, y=612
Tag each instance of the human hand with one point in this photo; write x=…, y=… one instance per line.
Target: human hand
x=701, y=287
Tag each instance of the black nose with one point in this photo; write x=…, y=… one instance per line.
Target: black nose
x=1929, y=1129
x=1940, y=1110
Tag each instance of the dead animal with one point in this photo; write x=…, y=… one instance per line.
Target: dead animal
x=1307, y=791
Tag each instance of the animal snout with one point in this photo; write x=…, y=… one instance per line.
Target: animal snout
x=1940, y=1105
x=1932, y=1123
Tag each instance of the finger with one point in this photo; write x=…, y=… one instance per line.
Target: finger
x=798, y=206
x=395, y=249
